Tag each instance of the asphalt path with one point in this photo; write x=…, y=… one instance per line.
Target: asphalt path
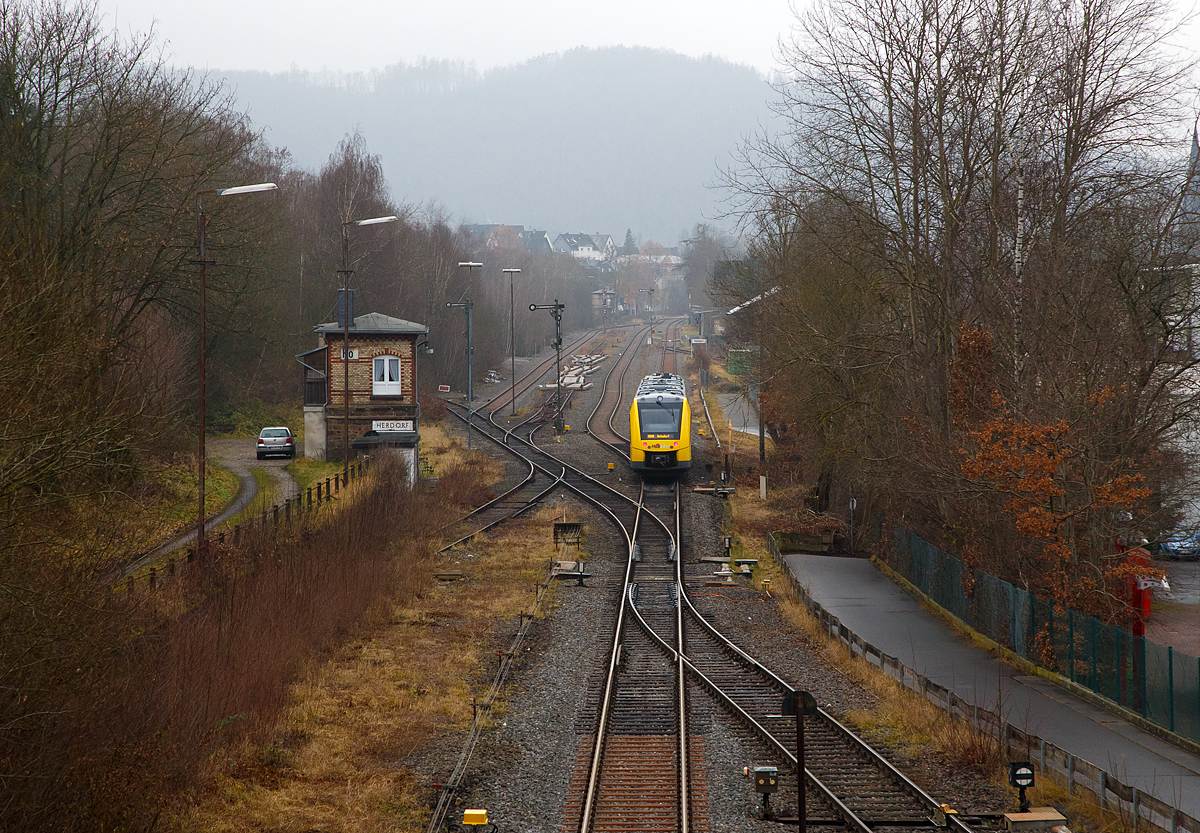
x=881, y=613
x=237, y=456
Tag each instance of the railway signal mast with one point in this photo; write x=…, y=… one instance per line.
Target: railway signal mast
x=556, y=309
x=467, y=307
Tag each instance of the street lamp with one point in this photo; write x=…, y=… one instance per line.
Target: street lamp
x=470, y=349
x=556, y=309
x=202, y=223
x=512, y=333
x=346, y=272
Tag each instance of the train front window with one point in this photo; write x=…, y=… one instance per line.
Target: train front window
x=660, y=419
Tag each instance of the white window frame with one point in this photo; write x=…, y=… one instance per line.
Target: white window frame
x=381, y=367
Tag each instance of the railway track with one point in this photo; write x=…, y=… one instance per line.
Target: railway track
x=640, y=761
x=538, y=481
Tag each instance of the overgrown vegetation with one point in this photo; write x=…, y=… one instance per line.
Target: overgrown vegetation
x=105, y=157
x=973, y=289
x=341, y=753
x=127, y=704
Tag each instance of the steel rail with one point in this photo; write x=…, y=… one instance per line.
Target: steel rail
x=933, y=806
x=606, y=699
x=531, y=376
x=680, y=656
x=533, y=501
x=685, y=664
x=685, y=781
x=620, y=366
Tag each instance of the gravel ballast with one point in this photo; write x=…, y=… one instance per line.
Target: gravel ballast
x=522, y=766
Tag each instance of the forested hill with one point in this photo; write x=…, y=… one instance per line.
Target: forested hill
x=591, y=140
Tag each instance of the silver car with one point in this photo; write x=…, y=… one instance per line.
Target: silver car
x=276, y=440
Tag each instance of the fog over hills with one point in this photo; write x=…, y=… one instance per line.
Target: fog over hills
x=590, y=140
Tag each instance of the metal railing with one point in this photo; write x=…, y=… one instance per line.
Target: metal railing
x=1157, y=682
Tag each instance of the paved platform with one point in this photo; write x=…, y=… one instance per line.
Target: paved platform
x=870, y=605
x=739, y=409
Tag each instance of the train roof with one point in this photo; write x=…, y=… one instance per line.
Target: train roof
x=661, y=384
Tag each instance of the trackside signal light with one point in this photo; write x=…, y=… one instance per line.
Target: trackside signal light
x=1020, y=775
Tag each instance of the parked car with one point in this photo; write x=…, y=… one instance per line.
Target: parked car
x=1185, y=546
x=276, y=440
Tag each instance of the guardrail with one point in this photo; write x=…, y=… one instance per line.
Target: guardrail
x=711, y=428
x=1076, y=774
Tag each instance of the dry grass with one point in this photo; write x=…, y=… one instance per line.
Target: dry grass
x=745, y=445
x=902, y=718
x=341, y=756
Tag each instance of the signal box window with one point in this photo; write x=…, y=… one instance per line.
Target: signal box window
x=386, y=377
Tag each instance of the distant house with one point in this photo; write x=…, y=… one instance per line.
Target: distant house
x=593, y=249
x=382, y=395
x=493, y=236
x=662, y=267
x=605, y=244
x=496, y=235
x=537, y=242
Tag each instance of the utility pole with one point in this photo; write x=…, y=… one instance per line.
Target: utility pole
x=202, y=233
x=512, y=333
x=470, y=347
x=650, y=303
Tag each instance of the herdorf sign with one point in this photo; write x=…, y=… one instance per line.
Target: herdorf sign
x=385, y=425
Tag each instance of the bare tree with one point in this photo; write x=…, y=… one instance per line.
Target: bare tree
x=955, y=162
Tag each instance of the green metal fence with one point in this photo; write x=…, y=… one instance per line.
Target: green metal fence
x=1155, y=681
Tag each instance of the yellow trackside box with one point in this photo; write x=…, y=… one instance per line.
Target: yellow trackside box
x=475, y=817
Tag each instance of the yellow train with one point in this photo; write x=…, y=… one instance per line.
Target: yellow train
x=660, y=426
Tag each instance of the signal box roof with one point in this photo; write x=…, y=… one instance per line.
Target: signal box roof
x=375, y=323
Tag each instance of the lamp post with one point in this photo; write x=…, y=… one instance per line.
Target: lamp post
x=512, y=333
x=556, y=309
x=202, y=228
x=346, y=272
x=470, y=348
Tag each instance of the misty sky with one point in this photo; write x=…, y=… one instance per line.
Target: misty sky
x=356, y=35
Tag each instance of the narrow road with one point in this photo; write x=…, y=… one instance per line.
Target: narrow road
x=238, y=456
